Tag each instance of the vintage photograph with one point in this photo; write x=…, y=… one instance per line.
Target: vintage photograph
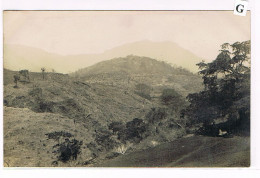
x=126, y=89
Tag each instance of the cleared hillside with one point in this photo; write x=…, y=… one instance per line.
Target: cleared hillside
x=62, y=94
x=132, y=70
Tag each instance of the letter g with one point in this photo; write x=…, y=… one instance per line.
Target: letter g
x=240, y=10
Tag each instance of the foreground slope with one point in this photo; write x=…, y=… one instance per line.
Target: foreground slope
x=198, y=151
x=25, y=140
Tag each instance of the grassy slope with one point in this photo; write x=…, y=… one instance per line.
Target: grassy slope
x=131, y=70
x=195, y=151
x=25, y=142
x=105, y=103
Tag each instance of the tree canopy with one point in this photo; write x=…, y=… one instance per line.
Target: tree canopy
x=226, y=86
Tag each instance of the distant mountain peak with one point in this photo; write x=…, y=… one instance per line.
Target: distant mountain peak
x=18, y=56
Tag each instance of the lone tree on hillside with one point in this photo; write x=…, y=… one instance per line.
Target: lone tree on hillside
x=25, y=75
x=43, y=73
x=16, y=79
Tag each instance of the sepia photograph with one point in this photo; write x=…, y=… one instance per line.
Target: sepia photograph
x=131, y=89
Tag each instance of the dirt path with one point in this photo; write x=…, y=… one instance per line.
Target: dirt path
x=195, y=151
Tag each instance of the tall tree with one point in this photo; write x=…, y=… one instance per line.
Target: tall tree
x=16, y=79
x=226, y=86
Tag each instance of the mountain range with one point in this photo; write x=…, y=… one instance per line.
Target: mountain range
x=18, y=57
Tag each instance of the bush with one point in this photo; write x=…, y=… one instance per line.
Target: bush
x=116, y=126
x=134, y=131
x=143, y=90
x=156, y=115
x=36, y=92
x=172, y=98
x=69, y=150
x=106, y=140
x=56, y=135
x=44, y=106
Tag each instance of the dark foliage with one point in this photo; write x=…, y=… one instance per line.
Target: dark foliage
x=44, y=106
x=56, y=135
x=69, y=150
x=227, y=89
x=95, y=149
x=116, y=127
x=25, y=75
x=134, y=131
x=172, y=99
x=156, y=115
x=16, y=79
x=104, y=139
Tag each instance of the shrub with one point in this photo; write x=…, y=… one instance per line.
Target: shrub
x=143, y=90
x=156, y=115
x=56, y=135
x=69, y=150
x=116, y=126
x=106, y=140
x=172, y=98
x=134, y=131
x=36, y=92
x=44, y=106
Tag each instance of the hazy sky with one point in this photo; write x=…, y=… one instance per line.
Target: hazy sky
x=80, y=32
